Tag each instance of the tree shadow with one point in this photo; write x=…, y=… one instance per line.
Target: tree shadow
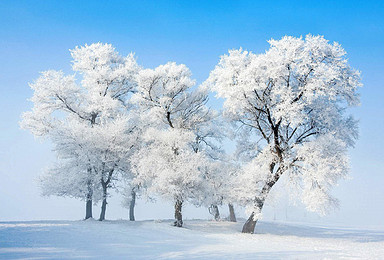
x=352, y=234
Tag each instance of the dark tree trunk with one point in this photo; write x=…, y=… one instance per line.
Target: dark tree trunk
x=217, y=213
x=178, y=216
x=88, y=204
x=88, y=209
x=232, y=216
x=103, y=209
x=104, y=203
x=104, y=184
x=132, y=206
x=214, y=210
x=249, y=226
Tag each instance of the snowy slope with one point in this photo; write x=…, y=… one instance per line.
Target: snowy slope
x=200, y=239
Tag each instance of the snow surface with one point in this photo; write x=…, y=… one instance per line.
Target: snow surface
x=200, y=239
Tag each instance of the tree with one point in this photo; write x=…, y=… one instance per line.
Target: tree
x=292, y=100
x=169, y=168
x=169, y=164
x=89, y=123
x=219, y=179
x=58, y=180
x=208, y=139
x=72, y=175
x=129, y=194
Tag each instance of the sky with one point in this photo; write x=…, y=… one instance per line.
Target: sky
x=37, y=35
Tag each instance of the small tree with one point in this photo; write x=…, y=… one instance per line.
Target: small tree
x=292, y=99
x=89, y=123
x=219, y=180
x=130, y=192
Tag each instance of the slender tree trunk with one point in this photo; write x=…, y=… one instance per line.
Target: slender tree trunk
x=104, y=184
x=104, y=203
x=214, y=210
x=232, y=216
x=217, y=213
x=132, y=206
x=178, y=216
x=103, y=209
x=88, y=204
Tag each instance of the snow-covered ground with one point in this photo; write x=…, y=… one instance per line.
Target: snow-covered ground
x=200, y=239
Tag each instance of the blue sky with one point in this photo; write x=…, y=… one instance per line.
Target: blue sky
x=36, y=36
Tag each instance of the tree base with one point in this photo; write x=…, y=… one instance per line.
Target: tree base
x=249, y=226
x=178, y=223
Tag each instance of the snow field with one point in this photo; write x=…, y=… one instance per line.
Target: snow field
x=200, y=239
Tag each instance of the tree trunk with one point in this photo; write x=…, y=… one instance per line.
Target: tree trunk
x=104, y=204
x=88, y=209
x=104, y=184
x=103, y=209
x=214, y=210
x=178, y=216
x=249, y=226
x=132, y=206
x=217, y=213
x=88, y=204
x=232, y=216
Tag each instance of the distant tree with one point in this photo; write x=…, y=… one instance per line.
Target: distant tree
x=292, y=101
x=208, y=138
x=129, y=194
x=170, y=164
x=218, y=189
x=89, y=122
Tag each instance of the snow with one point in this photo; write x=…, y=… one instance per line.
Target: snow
x=199, y=239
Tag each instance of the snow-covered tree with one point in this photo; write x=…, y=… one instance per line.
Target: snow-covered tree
x=129, y=195
x=208, y=138
x=88, y=122
x=292, y=99
x=169, y=168
x=170, y=164
x=218, y=185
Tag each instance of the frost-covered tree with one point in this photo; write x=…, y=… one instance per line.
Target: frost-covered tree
x=208, y=138
x=292, y=100
x=218, y=186
x=129, y=199
x=170, y=164
x=88, y=122
x=169, y=168
x=224, y=182
x=72, y=175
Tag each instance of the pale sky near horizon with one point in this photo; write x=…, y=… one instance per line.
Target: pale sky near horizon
x=37, y=36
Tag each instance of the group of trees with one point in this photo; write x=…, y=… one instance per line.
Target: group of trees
x=150, y=131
